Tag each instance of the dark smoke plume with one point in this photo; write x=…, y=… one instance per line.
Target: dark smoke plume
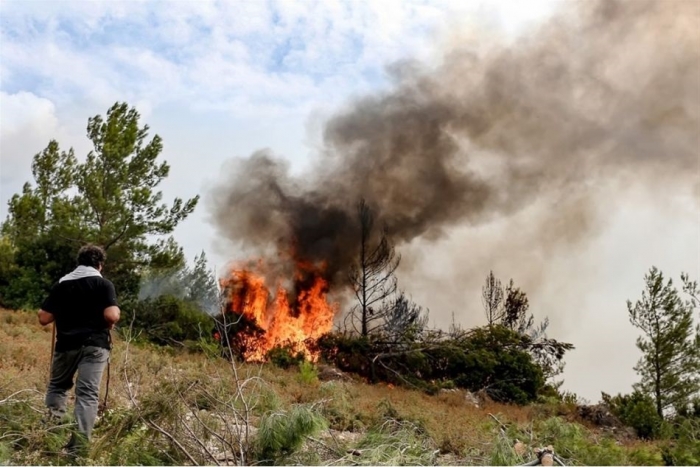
x=604, y=91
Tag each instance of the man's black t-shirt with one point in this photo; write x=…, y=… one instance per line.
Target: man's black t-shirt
x=78, y=306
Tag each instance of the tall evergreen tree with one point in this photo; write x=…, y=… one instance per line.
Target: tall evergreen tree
x=110, y=199
x=202, y=286
x=670, y=364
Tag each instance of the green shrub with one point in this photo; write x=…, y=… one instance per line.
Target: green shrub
x=137, y=448
x=122, y=438
x=645, y=455
x=31, y=268
x=167, y=320
x=691, y=409
x=684, y=448
x=503, y=453
x=266, y=400
x=284, y=357
x=307, y=372
x=637, y=411
x=493, y=359
x=571, y=443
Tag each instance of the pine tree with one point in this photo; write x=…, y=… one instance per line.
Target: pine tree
x=670, y=364
x=111, y=199
x=202, y=287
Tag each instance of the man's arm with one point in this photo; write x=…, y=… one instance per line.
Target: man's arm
x=48, y=308
x=111, y=315
x=45, y=317
x=111, y=312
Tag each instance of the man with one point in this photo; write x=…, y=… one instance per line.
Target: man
x=84, y=307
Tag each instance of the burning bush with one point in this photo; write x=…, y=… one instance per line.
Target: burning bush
x=294, y=324
x=258, y=321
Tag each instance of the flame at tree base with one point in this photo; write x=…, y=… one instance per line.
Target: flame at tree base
x=265, y=321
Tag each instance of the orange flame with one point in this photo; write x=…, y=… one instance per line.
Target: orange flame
x=282, y=324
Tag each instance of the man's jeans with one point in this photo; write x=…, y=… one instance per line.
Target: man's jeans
x=89, y=362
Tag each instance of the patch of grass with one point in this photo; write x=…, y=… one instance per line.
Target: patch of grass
x=395, y=443
x=341, y=410
x=139, y=447
x=503, y=453
x=26, y=435
x=307, y=373
x=572, y=444
x=281, y=434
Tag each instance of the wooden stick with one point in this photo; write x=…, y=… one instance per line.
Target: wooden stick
x=500, y=425
x=53, y=345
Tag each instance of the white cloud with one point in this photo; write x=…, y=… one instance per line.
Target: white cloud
x=216, y=51
x=23, y=108
x=27, y=122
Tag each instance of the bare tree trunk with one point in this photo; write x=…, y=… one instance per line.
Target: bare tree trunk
x=365, y=226
x=372, y=277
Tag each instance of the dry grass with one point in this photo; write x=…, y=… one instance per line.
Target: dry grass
x=453, y=429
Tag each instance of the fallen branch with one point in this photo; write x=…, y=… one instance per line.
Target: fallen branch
x=10, y=397
x=317, y=441
x=541, y=453
x=198, y=441
x=500, y=425
x=172, y=438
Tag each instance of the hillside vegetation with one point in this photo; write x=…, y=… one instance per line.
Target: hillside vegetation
x=169, y=406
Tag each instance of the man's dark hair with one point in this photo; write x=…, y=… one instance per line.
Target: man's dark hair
x=91, y=255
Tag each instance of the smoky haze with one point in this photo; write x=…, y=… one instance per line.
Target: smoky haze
x=602, y=91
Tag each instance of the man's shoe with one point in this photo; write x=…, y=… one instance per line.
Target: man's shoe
x=53, y=417
x=77, y=446
x=50, y=420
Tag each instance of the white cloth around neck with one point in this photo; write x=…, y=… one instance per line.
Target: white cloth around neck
x=80, y=272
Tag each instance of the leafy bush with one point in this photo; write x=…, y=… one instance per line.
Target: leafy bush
x=571, y=443
x=170, y=320
x=684, y=449
x=30, y=269
x=494, y=359
x=284, y=357
x=637, y=411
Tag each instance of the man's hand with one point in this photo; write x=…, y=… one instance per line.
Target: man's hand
x=45, y=317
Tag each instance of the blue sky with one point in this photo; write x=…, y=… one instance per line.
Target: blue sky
x=222, y=79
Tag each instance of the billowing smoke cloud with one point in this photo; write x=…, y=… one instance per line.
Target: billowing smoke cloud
x=603, y=91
